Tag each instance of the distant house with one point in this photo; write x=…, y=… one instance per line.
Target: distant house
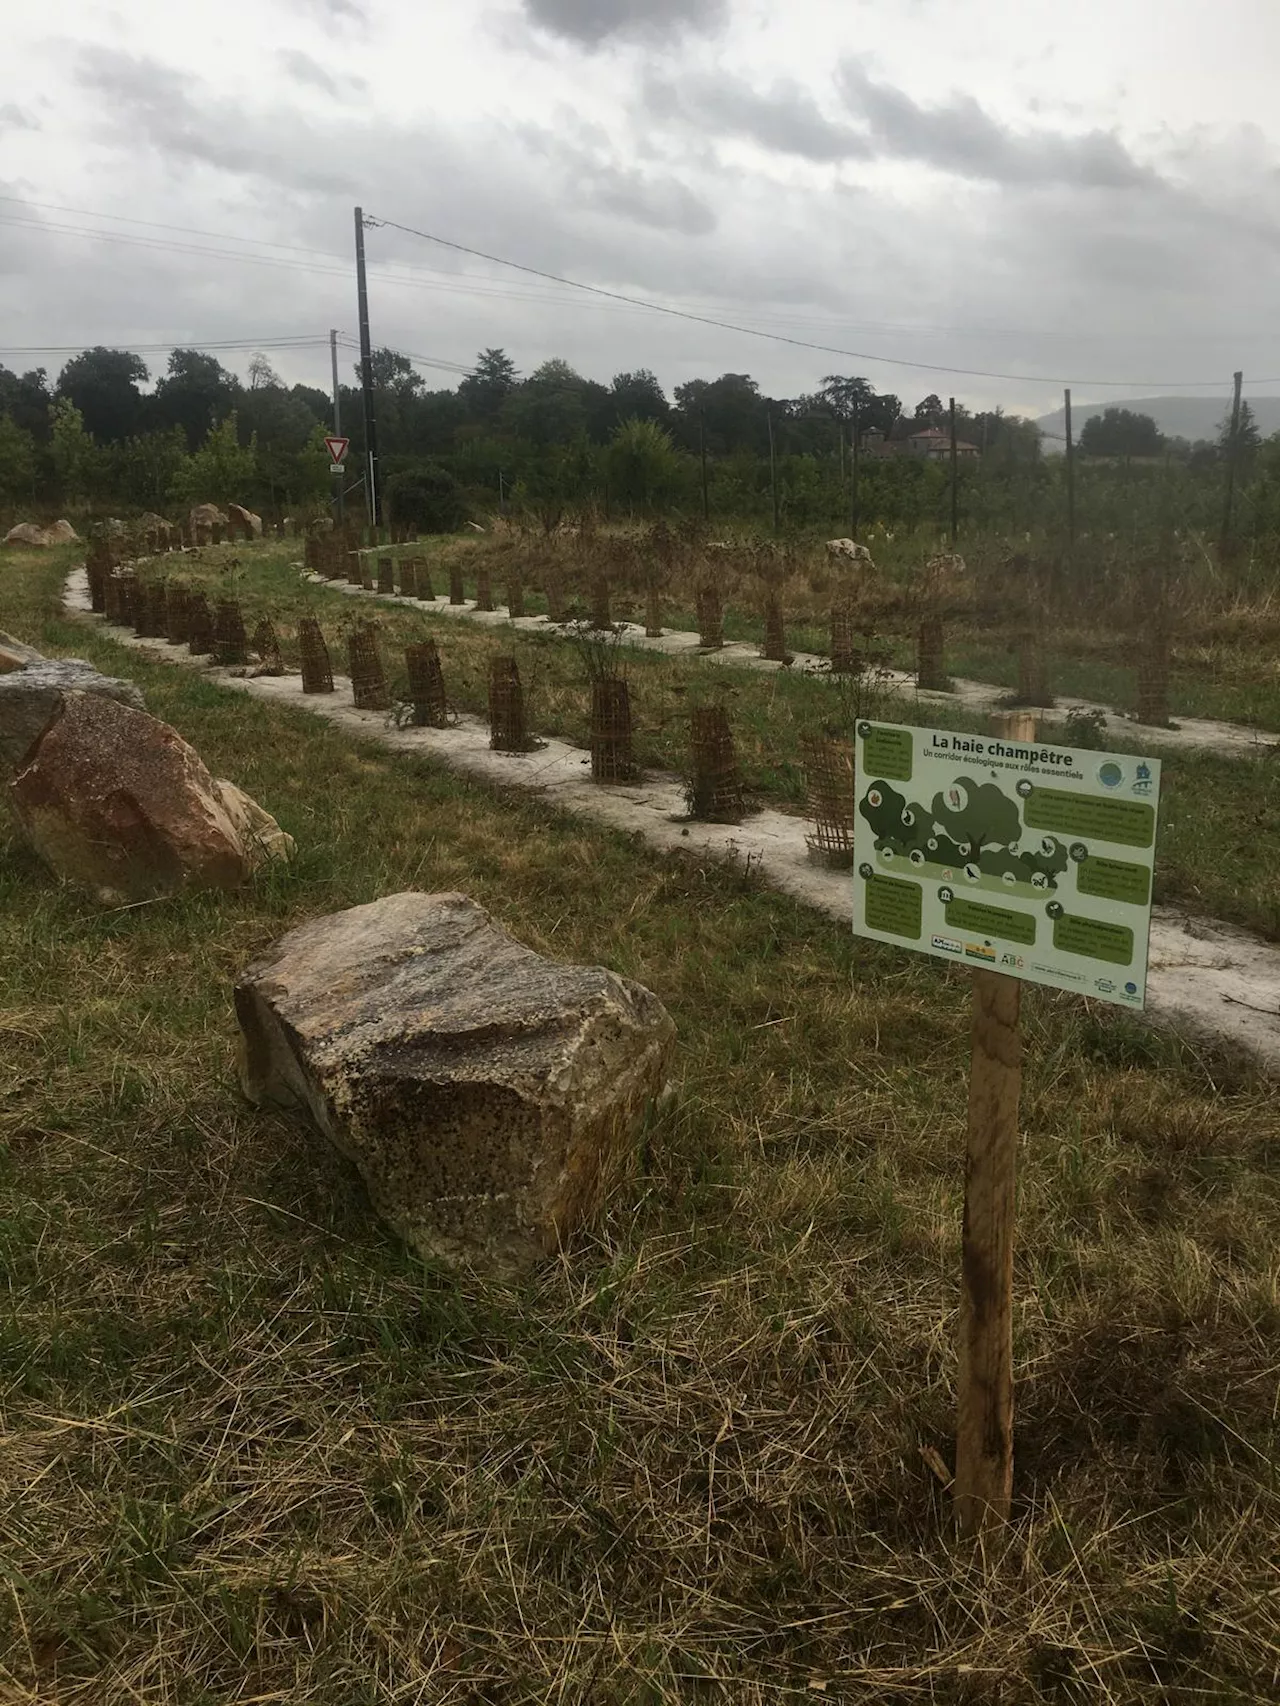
x=932, y=443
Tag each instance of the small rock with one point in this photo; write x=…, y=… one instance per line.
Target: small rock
x=260, y=834
x=119, y=803
x=849, y=549
x=32, y=696
x=28, y=533
x=245, y=518
x=488, y=1096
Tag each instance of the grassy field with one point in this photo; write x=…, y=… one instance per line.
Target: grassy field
x=1217, y=862
x=255, y=1452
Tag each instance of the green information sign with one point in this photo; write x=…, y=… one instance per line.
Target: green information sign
x=1030, y=859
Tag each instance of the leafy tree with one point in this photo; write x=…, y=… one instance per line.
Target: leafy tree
x=643, y=464
x=145, y=471
x=484, y=391
x=17, y=464
x=550, y=408
x=71, y=451
x=222, y=470
x=196, y=393
x=1120, y=432
x=735, y=414
x=638, y=396
x=103, y=385
x=931, y=412
x=262, y=375
x=426, y=498
x=26, y=400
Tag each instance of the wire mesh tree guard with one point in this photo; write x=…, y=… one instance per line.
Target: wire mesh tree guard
x=408, y=577
x=774, y=648
x=422, y=579
x=369, y=690
x=931, y=666
x=601, y=603
x=231, y=643
x=828, y=775
x=426, y=685
x=266, y=642
x=317, y=669
x=386, y=574
x=199, y=625
x=710, y=617
x=508, y=731
x=844, y=639
x=612, y=751
x=515, y=595
x=457, y=587
x=553, y=591
x=177, y=606
x=714, y=791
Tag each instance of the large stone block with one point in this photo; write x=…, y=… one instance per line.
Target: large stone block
x=488, y=1096
x=33, y=694
x=119, y=803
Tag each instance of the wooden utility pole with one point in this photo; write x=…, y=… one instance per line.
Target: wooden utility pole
x=955, y=484
x=1071, y=473
x=853, y=477
x=366, y=381
x=773, y=471
x=1233, y=446
x=702, y=452
x=984, y=1383
x=337, y=416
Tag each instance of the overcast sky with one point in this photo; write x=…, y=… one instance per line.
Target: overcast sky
x=1083, y=192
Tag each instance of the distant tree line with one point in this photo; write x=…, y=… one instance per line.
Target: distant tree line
x=104, y=437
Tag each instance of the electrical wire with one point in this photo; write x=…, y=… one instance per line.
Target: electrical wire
x=799, y=343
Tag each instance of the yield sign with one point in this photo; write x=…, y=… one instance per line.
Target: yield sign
x=337, y=448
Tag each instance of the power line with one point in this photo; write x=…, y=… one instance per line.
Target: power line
x=798, y=343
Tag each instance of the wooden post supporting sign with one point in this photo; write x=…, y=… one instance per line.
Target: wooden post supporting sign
x=984, y=1383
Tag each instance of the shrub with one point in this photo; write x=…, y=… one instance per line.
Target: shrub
x=427, y=499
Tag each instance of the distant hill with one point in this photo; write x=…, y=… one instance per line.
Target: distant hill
x=1177, y=417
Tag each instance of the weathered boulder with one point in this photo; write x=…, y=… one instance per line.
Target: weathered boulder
x=245, y=518
x=29, y=533
x=488, y=1096
x=260, y=835
x=16, y=654
x=150, y=522
x=117, y=802
x=33, y=695
x=205, y=515
x=848, y=549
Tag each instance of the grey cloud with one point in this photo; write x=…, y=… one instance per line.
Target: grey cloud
x=303, y=69
x=593, y=22
x=960, y=137
x=12, y=117
x=663, y=203
x=787, y=120
x=146, y=97
x=339, y=11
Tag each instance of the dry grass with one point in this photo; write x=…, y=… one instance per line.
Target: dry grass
x=254, y=1452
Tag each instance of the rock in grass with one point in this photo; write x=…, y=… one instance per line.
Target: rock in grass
x=31, y=533
x=33, y=694
x=488, y=1096
x=120, y=804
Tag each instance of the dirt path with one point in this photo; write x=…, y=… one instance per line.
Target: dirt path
x=1192, y=734
x=1207, y=980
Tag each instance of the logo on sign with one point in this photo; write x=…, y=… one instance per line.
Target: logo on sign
x=945, y=945
x=980, y=951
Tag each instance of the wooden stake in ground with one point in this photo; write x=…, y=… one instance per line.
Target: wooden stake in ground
x=984, y=1381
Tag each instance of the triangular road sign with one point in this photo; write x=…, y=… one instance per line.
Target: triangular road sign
x=337, y=448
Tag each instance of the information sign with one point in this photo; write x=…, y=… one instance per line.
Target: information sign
x=1009, y=855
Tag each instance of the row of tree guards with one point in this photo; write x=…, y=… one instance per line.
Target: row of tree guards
x=1018, y=601
x=159, y=607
